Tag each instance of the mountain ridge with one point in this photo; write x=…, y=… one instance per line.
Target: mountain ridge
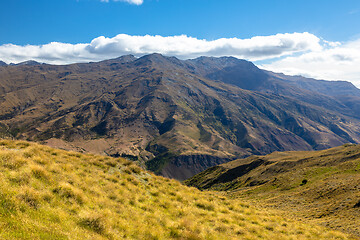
x=170, y=114
x=320, y=186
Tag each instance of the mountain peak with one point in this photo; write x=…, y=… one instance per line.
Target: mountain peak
x=162, y=105
x=239, y=72
x=2, y=63
x=120, y=60
x=126, y=58
x=159, y=59
x=27, y=63
x=226, y=60
x=154, y=57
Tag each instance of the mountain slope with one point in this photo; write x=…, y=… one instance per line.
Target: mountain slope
x=176, y=117
x=322, y=186
x=53, y=194
x=27, y=63
x=344, y=92
x=331, y=88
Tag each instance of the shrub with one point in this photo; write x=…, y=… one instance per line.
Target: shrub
x=303, y=182
x=135, y=169
x=93, y=221
x=205, y=206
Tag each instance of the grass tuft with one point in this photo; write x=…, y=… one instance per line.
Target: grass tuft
x=67, y=191
x=39, y=172
x=30, y=197
x=93, y=220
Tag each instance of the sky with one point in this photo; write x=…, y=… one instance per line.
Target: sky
x=317, y=38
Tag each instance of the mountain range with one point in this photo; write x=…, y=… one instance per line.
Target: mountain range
x=175, y=117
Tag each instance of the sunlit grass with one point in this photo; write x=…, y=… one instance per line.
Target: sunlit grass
x=53, y=194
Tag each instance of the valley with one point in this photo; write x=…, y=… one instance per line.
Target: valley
x=174, y=117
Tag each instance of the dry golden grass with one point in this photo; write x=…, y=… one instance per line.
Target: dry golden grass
x=321, y=187
x=53, y=194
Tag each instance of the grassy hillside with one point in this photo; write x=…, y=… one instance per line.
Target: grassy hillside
x=321, y=186
x=53, y=194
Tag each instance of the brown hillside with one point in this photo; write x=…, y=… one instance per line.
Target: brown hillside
x=321, y=186
x=176, y=117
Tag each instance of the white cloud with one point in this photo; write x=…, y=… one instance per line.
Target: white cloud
x=136, y=2
x=332, y=62
x=299, y=53
x=256, y=48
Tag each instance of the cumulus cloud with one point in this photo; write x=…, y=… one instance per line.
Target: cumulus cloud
x=136, y=2
x=256, y=48
x=290, y=53
x=331, y=62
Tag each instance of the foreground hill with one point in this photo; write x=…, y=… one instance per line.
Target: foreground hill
x=53, y=194
x=176, y=117
x=323, y=186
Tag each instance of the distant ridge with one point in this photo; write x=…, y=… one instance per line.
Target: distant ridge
x=27, y=63
x=332, y=88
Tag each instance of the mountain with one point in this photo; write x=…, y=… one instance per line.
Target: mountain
x=48, y=193
x=320, y=186
x=332, y=88
x=343, y=91
x=2, y=63
x=176, y=117
x=27, y=63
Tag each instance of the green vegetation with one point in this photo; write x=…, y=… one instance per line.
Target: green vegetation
x=303, y=182
x=205, y=136
x=159, y=162
x=54, y=194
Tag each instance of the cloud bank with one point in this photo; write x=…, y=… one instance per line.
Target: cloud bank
x=290, y=53
x=256, y=48
x=332, y=62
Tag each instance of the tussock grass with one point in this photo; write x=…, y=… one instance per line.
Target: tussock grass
x=47, y=193
x=319, y=186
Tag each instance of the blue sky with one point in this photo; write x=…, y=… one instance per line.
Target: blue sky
x=295, y=32
x=74, y=21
